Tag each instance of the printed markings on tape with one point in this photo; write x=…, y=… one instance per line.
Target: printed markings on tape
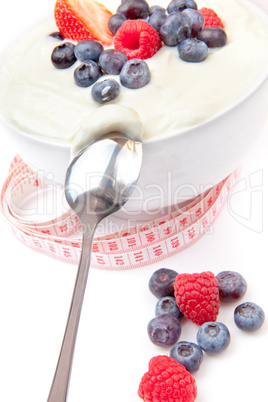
x=140, y=245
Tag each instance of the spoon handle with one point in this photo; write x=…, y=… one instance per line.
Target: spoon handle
x=59, y=387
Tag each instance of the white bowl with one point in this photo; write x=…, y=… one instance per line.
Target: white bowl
x=177, y=168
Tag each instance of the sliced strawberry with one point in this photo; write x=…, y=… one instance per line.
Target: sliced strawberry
x=83, y=19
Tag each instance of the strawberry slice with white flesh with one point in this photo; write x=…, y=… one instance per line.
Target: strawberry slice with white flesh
x=83, y=19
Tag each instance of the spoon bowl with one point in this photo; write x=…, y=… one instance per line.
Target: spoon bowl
x=110, y=166
x=98, y=182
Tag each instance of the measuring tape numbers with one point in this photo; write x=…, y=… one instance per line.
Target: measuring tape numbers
x=138, y=246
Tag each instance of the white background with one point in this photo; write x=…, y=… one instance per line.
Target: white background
x=112, y=349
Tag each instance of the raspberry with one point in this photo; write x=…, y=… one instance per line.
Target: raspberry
x=211, y=18
x=167, y=381
x=197, y=296
x=137, y=39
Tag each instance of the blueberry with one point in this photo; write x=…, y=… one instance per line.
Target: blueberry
x=180, y=5
x=156, y=9
x=105, y=91
x=193, y=50
x=213, y=337
x=134, y=9
x=164, y=330
x=87, y=73
x=196, y=19
x=63, y=55
x=157, y=19
x=112, y=61
x=232, y=286
x=168, y=305
x=57, y=35
x=161, y=283
x=88, y=50
x=176, y=28
x=249, y=316
x=189, y=354
x=115, y=22
x=213, y=36
x=135, y=74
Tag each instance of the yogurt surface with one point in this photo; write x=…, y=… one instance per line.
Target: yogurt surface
x=44, y=101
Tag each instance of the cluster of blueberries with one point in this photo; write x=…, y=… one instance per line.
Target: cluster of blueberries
x=212, y=337
x=94, y=62
x=179, y=25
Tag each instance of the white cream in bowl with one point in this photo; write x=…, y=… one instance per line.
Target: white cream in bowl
x=44, y=101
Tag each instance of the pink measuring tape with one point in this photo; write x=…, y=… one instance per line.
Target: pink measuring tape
x=140, y=245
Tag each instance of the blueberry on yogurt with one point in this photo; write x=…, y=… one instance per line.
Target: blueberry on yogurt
x=193, y=50
x=115, y=22
x=213, y=36
x=157, y=19
x=176, y=28
x=105, y=91
x=134, y=9
x=87, y=73
x=63, y=55
x=88, y=50
x=197, y=20
x=57, y=35
x=135, y=74
x=112, y=61
x=180, y=5
x=156, y=9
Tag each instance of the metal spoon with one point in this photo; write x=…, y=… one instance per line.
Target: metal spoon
x=98, y=183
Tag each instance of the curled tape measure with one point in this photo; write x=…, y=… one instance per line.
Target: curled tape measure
x=138, y=246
